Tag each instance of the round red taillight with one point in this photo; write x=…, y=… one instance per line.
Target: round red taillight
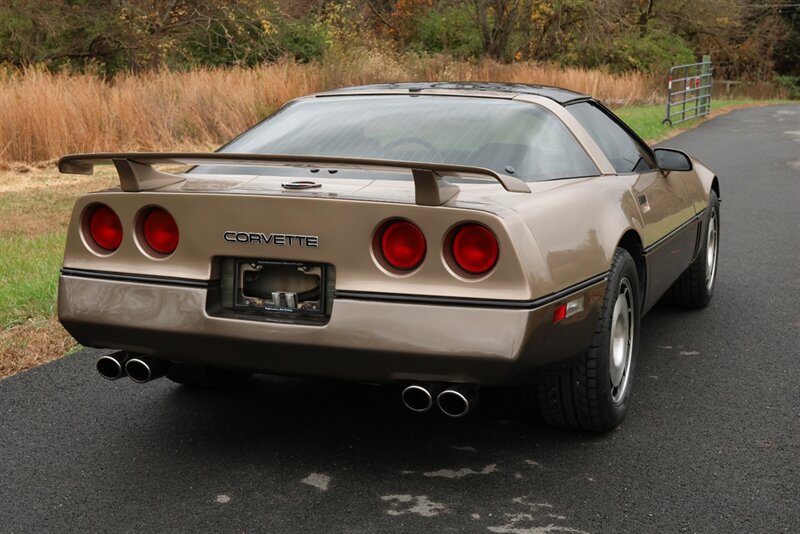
x=475, y=248
x=160, y=231
x=403, y=245
x=105, y=228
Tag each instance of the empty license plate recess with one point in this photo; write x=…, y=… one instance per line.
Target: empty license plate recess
x=280, y=290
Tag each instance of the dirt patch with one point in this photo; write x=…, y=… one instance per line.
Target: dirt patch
x=32, y=344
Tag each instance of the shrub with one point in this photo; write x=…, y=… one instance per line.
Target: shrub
x=452, y=32
x=303, y=40
x=791, y=84
x=654, y=52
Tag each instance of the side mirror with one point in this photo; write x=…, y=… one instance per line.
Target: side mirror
x=669, y=159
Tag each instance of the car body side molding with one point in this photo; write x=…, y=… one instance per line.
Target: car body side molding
x=473, y=302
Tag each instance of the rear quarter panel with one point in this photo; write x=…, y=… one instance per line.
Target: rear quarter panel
x=579, y=225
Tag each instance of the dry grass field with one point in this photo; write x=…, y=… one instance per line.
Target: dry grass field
x=44, y=115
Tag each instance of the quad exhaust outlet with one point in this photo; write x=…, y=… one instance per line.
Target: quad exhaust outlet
x=454, y=400
x=112, y=366
x=457, y=401
x=419, y=398
x=139, y=368
x=143, y=369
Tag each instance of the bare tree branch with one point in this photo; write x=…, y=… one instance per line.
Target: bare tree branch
x=380, y=17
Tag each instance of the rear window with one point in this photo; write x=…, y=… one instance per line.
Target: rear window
x=514, y=138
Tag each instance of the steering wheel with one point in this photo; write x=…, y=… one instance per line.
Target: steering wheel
x=437, y=156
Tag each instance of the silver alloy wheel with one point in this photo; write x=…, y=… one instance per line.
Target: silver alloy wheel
x=712, y=246
x=621, y=349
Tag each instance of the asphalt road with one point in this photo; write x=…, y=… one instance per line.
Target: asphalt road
x=712, y=442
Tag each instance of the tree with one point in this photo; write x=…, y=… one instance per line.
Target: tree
x=57, y=31
x=496, y=20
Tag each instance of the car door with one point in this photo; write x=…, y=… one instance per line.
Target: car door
x=670, y=228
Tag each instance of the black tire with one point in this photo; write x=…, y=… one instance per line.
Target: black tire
x=582, y=395
x=695, y=286
x=202, y=377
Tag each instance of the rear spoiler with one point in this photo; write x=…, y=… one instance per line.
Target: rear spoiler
x=136, y=172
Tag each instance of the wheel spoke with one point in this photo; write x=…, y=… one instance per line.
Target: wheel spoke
x=621, y=342
x=712, y=248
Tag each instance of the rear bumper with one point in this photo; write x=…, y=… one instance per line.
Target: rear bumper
x=365, y=339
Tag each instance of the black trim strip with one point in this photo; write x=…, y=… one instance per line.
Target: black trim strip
x=576, y=100
x=359, y=295
x=140, y=278
x=470, y=302
x=673, y=233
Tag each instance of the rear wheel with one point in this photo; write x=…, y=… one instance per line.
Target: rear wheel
x=594, y=391
x=695, y=287
x=199, y=376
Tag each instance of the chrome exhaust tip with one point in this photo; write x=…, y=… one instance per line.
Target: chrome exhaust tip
x=112, y=366
x=417, y=398
x=457, y=401
x=143, y=370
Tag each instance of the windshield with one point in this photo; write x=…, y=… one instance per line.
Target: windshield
x=515, y=138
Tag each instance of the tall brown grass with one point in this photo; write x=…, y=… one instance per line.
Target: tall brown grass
x=45, y=115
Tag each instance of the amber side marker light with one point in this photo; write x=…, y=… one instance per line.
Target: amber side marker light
x=403, y=245
x=475, y=248
x=160, y=231
x=105, y=228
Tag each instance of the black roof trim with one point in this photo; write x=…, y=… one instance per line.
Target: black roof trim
x=562, y=96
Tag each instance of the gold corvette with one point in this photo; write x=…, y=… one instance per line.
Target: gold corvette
x=440, y=236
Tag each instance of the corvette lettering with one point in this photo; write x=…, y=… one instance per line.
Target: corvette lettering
x=283, y=240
